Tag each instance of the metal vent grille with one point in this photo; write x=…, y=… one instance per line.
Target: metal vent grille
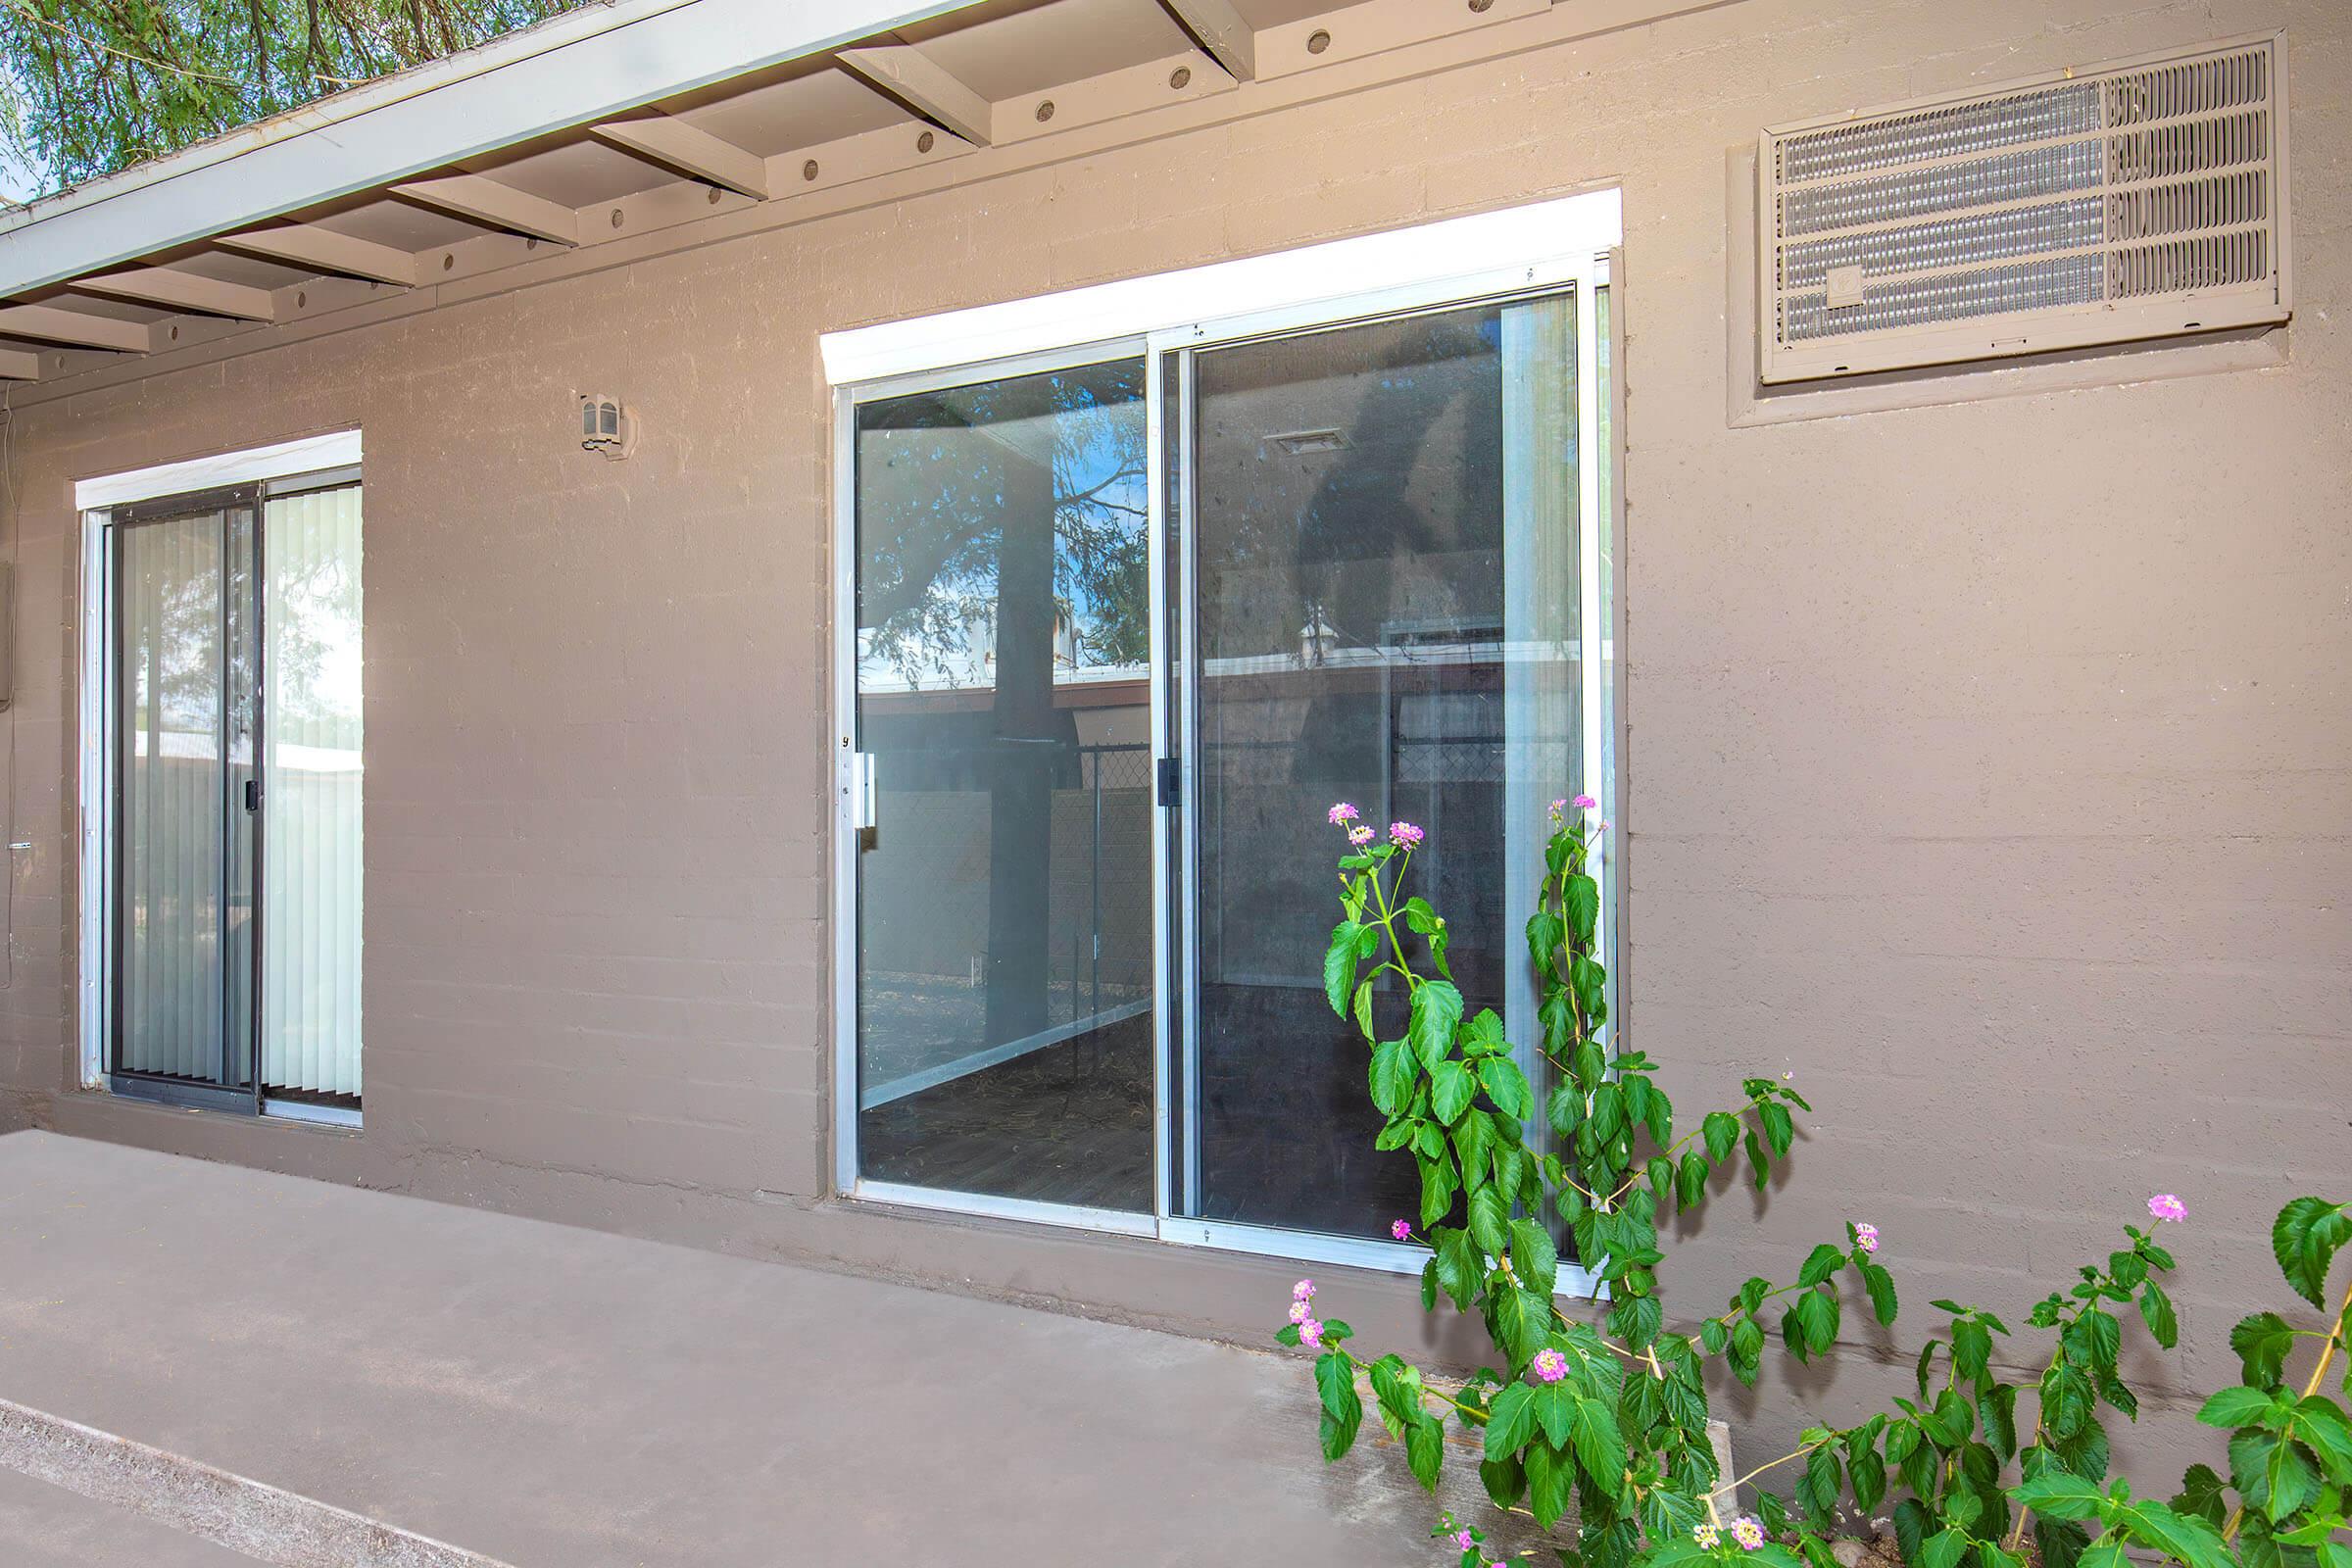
x=2137, y=200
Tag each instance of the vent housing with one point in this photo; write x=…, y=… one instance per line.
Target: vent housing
x=2137, y=200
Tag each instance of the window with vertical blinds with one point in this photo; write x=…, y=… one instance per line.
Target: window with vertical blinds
x=311, y=817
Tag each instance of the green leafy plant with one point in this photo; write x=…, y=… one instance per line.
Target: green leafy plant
x=1597, y=1431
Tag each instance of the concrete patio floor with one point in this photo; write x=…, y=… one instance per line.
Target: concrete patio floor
x=562, y=1398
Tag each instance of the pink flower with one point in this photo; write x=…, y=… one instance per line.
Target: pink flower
x=1405, y=835
x=1464, y=1540
x=1401, y=1229
x=1706, y=1536
x=2164, y=1206
x=1303, y=1291
x=1559, y=809
x=1749, y=1533
x=1342, y=812
x=1310, y=1334
x=1583, y=803
x=1300, y=1311
x=1549, y=1366
x=1866, y=1236
x=1359, y=835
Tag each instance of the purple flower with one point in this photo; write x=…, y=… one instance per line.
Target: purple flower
x=1310, y=1334
x=1300, y=1311
x=1303, y=1291
x=1549, y=1366
x=1583, y=803
x=1866, y=1236
x=1401, y=1229
x=1405, y=835
x=1749, y=1533
x=1464, y=1540
x=1706, y=1536
x=2164, y=1206
x=1342, y=812
x=1359, y=835
x=1559, y=809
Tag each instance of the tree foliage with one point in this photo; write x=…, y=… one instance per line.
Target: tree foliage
x=100, y=85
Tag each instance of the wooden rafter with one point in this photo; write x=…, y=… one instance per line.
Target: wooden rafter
x=1221, y=30
x=479, y=199
x=51, y=324
x=672, y=143
x=913, y=77
x=307, y=245
x=185, y=291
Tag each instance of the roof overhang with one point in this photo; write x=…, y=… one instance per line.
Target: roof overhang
x=577, y=66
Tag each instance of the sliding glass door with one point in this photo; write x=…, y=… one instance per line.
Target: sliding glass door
x=235, y=835
x=1004, y=962
x=1126, y=626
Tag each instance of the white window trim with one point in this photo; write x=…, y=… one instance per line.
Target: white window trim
x=1547, y=245
x=337, y=451
x=313, y=454
x=1488, y=253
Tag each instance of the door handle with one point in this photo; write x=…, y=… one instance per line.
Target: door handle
x=253, y=795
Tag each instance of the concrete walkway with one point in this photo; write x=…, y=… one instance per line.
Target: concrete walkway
x=561, y=1399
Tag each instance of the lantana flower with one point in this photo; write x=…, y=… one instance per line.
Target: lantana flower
x=1706, y=1536
x=1360, y=834
x=1401, y=1229
x=1749, y=1533
x=1549, y=1366
x=1300, y=1311
x=1310, y=1334
x=1866, y=1236
x=2164, y=1206
x=1464, y=1540
x=1342, y=812
x=1303, y=1291
x=1584, y=802
x=1405, y=835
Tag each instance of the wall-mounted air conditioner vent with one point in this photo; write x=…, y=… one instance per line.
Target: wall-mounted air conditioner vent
x=2138, y=200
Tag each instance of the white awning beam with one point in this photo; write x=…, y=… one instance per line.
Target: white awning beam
x=479, y=199
x=672, y=143
x=185, y=291
x=307, y=245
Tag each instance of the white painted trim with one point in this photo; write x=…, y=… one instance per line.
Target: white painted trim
x=1520, y=247
x=314, y=1115
x=97, y=797
x=585, y=65
x=1069, y=1216
x=309, y=455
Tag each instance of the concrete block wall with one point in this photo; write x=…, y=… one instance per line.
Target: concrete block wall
x=1989, y=766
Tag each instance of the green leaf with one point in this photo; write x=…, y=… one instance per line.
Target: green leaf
x=1437, y=1014
x=1721, y=1134
x=1393, y=1077
x=1600, y=1445
x=1971, y=1349
x=1691, y=1180
x=1507, y=1086
x=1459, y=1272
x=2201, y=1494
x=1338, y=966
x=2183, y=1537
x=1550, y=1483
x=1778, y=1130
x=2304, y=1238
x=1450, y=1087
x=1817, y=1313
x=1997, y=1409
x=1580, y=897
x=1822, y=1262
x=1544, y=932
x=1748, y=1350
x=1363, y=1008
x=1910, y=1530
x=2235, y=1407
x=1535, y=1256
x=1880, y=1285
x=2262, y=1343
x=1425, y=1450
x=1505, y=1481
x=1437, y=1190
x=2156, y=1310
x=1490, y=1212
x=1944, y=1549
x=2055, y=1495
x=1343, y=1409
x=1511, y=1421
x=2321, y=1426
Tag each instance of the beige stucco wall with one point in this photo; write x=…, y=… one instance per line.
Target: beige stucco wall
x=1989, y=758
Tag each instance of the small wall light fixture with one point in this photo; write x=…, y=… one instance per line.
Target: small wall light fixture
x=606, y=427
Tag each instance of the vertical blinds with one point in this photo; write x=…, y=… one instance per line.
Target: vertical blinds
x=310, y=811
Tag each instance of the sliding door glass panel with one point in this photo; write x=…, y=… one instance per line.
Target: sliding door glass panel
x=310, y=809
x=1387, y=587
x=184, y=722
x=1005, y=924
